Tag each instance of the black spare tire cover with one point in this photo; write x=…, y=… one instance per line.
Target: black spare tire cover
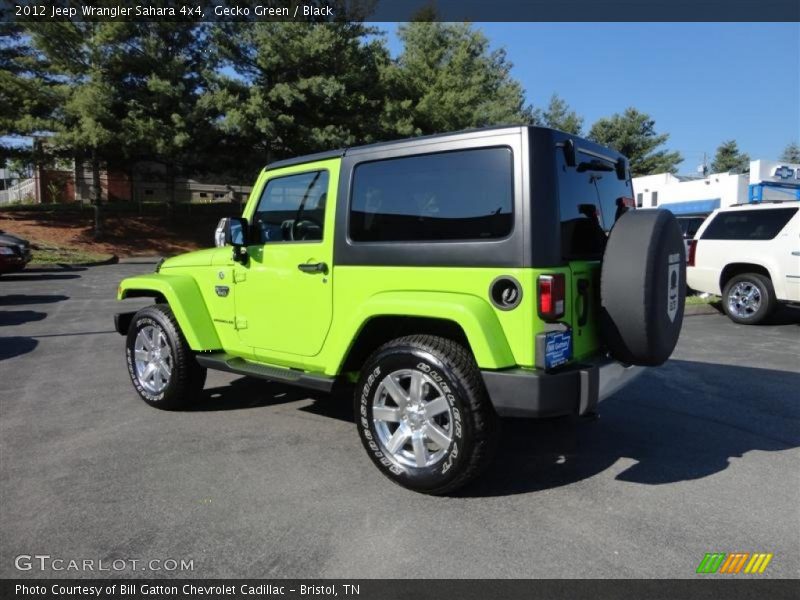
x=643, y=287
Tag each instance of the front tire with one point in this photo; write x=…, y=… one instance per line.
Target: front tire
x=160, y=362
x=423, y=414
x=748, y=298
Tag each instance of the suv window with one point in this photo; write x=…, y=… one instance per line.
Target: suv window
x=591, y=199
x=748, y=224
x=460, y=195
x=292, y=208
x=690, y=225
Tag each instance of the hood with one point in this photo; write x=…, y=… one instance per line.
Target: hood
x=6, y=239
x=199, y=258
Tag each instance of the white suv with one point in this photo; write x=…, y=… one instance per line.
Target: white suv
x=750, y=255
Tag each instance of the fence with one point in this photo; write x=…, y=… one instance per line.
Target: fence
x=19, y=192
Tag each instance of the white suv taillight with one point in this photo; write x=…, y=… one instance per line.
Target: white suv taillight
x=551, y=296
x=692, y=252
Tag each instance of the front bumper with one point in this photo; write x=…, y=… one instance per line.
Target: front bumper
x=575, y=390
x=11, y=264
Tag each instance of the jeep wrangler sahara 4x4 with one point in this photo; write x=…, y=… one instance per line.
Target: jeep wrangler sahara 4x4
x=455, y=278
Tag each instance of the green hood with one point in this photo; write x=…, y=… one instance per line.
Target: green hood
x=199, y=258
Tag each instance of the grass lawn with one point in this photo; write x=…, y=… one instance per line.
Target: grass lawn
x=700, y=300
x=48, y=254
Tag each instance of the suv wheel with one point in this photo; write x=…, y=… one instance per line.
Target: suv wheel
x=748, y=298
x=424, y=415
x=162, y=367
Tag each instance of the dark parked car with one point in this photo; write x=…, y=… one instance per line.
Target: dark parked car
x=15, y=253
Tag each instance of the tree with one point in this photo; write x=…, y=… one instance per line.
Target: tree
x=129, y=91
x=27, y=96
x=296, y=88
x=558, y=115
x=633, y=134
x=163, y=69
x=729, y=158
x=791, y=153
x=446, y=79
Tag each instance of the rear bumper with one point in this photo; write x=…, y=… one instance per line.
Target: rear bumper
x=577, y=390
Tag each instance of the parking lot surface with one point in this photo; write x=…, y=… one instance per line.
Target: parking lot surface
x=261, y=480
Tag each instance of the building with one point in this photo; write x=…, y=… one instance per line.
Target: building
x=144, y=181
x=767, y=181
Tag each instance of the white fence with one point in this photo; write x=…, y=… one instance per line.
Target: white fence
x=19, y=191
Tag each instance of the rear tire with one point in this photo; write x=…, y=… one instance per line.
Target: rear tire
x=748, y=298
x=160, y=362
x=424, y=415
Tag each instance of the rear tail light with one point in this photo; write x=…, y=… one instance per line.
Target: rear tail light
x=692, y=252
x=551, y=296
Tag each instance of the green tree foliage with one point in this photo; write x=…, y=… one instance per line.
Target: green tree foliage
x=633, y=134
x=559, y=115
x=293, y=88
x=27, y=96
x=447, y=78
x=729, y=158
x=791, y=153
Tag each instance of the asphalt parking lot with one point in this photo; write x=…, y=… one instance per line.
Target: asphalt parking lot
x=701, y=455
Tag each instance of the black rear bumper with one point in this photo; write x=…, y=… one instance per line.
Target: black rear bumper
x=573, y=391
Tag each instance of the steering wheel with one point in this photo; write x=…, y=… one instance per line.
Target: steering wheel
x=306, y=220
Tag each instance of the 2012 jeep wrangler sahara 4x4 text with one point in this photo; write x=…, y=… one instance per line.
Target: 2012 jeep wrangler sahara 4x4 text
x=455, y=278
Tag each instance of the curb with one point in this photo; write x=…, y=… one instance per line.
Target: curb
x=112, y=260
x=700, y=309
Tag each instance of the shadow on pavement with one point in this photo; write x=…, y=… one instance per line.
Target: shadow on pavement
x=52, y=269
x=18, y=317
x=42, y=277
x=683, y=421
x=247, y=392
x=16, y=346
x=20, y=299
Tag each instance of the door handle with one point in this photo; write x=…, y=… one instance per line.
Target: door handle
x=319, y=267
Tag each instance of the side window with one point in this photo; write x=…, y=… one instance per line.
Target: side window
x=639, y=200
x=461, y=195
x=292, y=209
x=654, y=199
x=748, y=224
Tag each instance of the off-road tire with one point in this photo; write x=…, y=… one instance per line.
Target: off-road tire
x=187, y=377
x=454, y=375
x=767, y=301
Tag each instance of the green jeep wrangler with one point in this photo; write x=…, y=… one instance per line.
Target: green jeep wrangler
x=453, y=278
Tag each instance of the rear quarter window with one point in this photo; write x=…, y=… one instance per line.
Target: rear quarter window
x=748, y=224
x=459, y=195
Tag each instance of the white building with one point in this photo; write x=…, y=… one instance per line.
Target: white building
x=767, y=181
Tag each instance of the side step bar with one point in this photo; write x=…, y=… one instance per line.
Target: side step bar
x=221, y=361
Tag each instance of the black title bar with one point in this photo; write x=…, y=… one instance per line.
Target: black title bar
x=710, y=587
x=404, y=10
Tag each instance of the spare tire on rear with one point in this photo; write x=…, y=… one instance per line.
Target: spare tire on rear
x=643, y=287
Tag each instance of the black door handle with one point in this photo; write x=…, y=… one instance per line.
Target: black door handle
x=319, y=267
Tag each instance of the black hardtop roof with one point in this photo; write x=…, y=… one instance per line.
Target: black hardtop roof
x=414, y=141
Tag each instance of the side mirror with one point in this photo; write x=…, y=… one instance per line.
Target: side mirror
x=232, y=231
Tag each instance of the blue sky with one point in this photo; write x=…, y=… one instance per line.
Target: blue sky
x=703, y=83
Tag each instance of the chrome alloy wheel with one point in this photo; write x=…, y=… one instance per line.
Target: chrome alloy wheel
x=153, y=359
x=413, y=419
x=744, y=299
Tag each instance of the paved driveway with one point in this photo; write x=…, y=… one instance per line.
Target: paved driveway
x=260, y=480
